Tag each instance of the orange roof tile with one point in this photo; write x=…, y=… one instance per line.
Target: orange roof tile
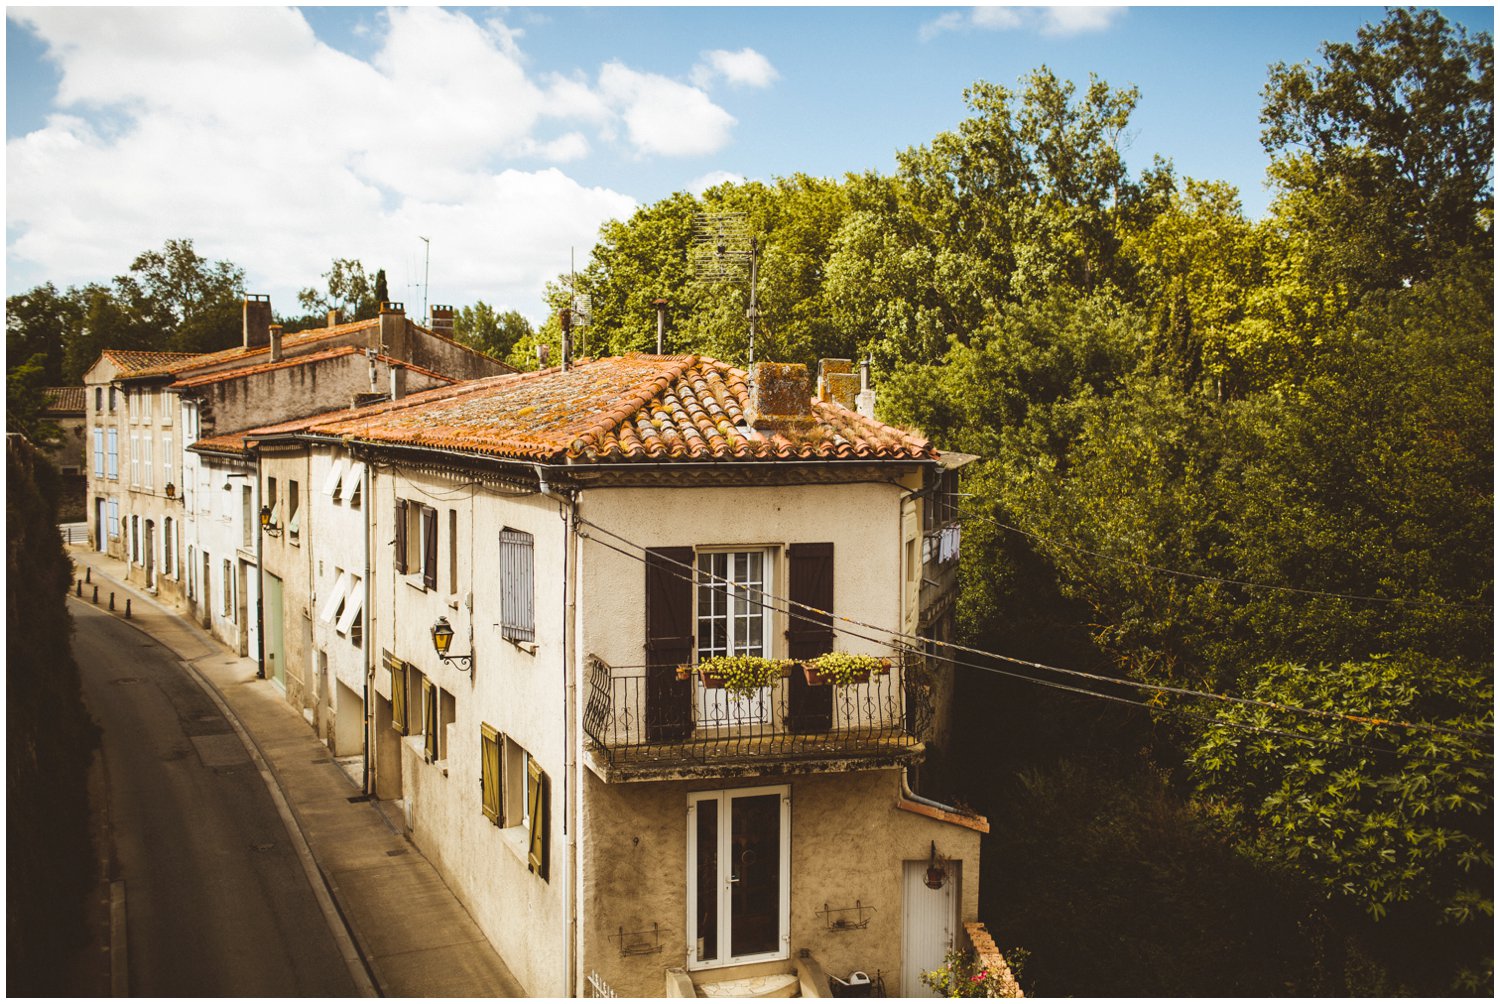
x=635, y=407
x=229, y=442
x=64, y=399
x=219, y=376
x=135, y=363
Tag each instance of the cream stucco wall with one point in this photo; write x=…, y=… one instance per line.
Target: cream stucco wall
x=288, y=556
x=336, y=544
x=848, y=844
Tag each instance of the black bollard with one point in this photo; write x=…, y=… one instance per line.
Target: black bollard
x=88, y=573
x=111, y=601
x=80, y=588
x=96, y=596
x=127, y=608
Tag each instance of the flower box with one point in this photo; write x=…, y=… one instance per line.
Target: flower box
x=856, y=669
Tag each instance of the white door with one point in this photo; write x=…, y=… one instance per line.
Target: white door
x=929, y=924
x=252, y=600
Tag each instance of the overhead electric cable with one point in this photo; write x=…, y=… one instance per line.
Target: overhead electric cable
x=697, y=575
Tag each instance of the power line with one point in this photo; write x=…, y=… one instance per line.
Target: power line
x=694, y=574
x=1162, y=569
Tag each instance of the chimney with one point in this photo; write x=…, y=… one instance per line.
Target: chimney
x=780, y=396
x=541, y=356
x=398, y=381
x=257, y=320
x=333, y=318
x=442, y=319
x=865, y=402
x=661, y=325
x=392, y=330
x=837, y=382
x=275, y=340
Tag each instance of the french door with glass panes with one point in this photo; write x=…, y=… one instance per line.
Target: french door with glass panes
x=732, y=620
x=739, y=875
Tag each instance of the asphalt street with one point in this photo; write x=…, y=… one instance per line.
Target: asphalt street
x=217, y=901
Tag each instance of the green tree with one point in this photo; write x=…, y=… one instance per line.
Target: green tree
x=490, y=331
x=179, y=291
x=1386, y=149
x=347, y=289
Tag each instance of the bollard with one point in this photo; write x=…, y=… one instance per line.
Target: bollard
x=88, y=573
x=80, y=588
x=127, y=608
x=111, y=601
x=96, y=596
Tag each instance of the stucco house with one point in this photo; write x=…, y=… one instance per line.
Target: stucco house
x=172, y=490
x=576, y=541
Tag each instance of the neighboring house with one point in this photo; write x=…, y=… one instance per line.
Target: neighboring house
x=67, y=411
x=584, y=532
x=172, y=490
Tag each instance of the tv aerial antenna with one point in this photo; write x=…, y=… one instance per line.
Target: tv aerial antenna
x=724, y=250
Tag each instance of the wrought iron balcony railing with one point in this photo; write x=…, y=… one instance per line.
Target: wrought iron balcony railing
x=641, y=720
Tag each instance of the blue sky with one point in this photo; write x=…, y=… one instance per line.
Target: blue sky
x=281, y=139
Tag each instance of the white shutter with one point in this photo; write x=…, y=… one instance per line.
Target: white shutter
x=353, y=606
x=353, y=478
x=331, y=605
x=334, y=481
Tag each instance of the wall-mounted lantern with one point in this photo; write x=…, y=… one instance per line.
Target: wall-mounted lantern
x=270, y=529
x=442, y=639
x=936, y=873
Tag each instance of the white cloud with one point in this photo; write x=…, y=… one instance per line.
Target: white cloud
x=1055, y=21
x=746, y=68
x=663, y=116
x=238, y=128
x=703, y=183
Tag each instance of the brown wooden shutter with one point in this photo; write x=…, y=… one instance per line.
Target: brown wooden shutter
x=401, y=536
x=429, y=721
x=490, y=784
x=669, y=642
x=398, y=695
x=537, y=793
x=808, y=635
x=430, y=550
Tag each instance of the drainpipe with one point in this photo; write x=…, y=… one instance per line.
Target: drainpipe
x=367, y=496
x=571, y=791
x=260, y=577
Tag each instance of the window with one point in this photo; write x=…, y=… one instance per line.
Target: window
x=272, y=501
x=515, y=793
x=146, y=465
x=166, y=462
x=98, y=399
x=430, y=721
x=166, y=408
x=294, y=511
x=349, y=622
x=248, y=522
x=731, y=613
x=517, y=621
x=228, y=589
x=114, y=520
x=333, y=603
x=333, y=484
x=399, y=691
x=416, y=708
x=98, y=453
x=112, y=399
x=416, y=541
x=738, y=875
x=135, y=539
x=113, y=452
x=489, y=773
x=354, y=480
x=135, y=458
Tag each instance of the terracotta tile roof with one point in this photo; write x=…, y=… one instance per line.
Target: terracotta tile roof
x=635, y=407
x=64, y=399
x=229, y=442
x=133, y=363
x=219, y=376
x=187, y=363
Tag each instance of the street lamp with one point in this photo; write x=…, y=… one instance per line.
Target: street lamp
x=442, y=638
x=270, y=529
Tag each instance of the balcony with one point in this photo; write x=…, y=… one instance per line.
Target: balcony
x=645, y=724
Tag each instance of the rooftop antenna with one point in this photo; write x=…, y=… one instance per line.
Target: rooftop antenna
x=426, y=271
x=722, y=249
x=581, y=305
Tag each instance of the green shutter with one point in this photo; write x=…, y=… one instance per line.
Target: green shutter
x=489, y=773
x=398, y=697
x=536, y=792
x=430, y=720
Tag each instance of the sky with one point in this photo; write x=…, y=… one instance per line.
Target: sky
x=282, y=138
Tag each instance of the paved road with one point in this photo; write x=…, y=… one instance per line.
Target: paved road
x=217, y=901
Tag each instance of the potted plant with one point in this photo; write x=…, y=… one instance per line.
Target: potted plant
x=738, y=673
x=842, y=667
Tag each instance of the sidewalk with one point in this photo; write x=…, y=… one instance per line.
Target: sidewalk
x=415, y=939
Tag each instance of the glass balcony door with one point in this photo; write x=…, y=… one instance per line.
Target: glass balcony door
x=739, y=872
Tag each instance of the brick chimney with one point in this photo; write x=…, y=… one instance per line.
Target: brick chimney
x=780, y=396
x=442, y=319
x=333, y=318
x=275, y=342
x=257, y=320
x=837, y=382
x=391, y=332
